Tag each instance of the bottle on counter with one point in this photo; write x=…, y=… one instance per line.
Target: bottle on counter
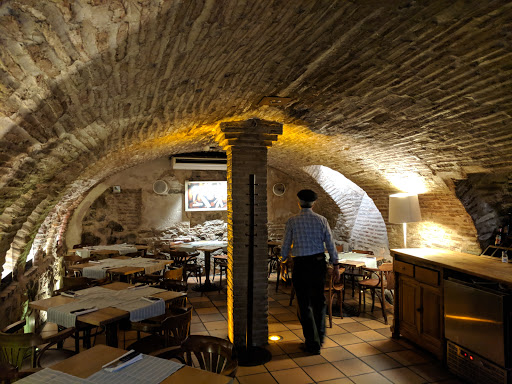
x=504, y=257
x=497, y=240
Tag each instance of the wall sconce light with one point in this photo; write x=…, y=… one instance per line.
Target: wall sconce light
x=404, y=208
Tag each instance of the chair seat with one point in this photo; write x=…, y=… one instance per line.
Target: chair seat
x=371, y=283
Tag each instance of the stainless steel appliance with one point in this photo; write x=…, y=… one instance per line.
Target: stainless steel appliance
x=477, y=327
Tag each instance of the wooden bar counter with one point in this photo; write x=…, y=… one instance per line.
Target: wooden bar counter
x=419, y=298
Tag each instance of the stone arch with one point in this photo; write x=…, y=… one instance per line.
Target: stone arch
x=359, y=224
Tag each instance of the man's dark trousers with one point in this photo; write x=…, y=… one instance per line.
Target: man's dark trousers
x=309, y=281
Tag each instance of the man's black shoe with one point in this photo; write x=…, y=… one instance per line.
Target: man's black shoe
x=308, y=350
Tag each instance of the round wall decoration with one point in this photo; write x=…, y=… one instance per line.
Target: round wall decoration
x=279, y=189
x=160, y=187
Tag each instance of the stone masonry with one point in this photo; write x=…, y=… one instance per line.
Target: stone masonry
x=246, y=145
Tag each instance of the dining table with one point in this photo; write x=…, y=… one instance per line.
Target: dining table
x=120, y=265
x=87, y=367
x=112, y=303
x=207, y=247
x=110, y=250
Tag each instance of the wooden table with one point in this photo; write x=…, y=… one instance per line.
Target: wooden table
x=122, y=271
x=108, y=317
x=90, y=361
x=97, y=250
x=208, y=285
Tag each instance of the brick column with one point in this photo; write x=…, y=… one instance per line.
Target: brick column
x=245, y=143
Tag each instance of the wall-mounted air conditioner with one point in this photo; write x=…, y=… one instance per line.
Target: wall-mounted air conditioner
x=199, y=163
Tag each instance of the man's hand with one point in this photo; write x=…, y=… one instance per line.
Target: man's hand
x=336, y=273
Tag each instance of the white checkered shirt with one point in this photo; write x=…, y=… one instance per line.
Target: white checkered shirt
x=308, y=231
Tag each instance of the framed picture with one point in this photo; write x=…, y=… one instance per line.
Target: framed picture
x=206, y=195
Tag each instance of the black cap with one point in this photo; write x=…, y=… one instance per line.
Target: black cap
x=307, y=195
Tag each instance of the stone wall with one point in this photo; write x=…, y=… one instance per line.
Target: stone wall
x=487, y=198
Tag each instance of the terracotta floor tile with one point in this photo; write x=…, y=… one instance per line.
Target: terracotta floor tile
x=381, y=362
x=374, y=324
x=369, y=335
x=345, y=380
x=274, y=348
x=353, y=367
x=244, y=371
x=216, y=325
x=208, y=310
x=261, y=378
x=387, y=345
x=197, y=299
x=322, y=372
x=276, y=327
x=355, y=327
x=403, y=376
x=345, y=339
x=384, y=331
x=289, y=336
x=290, y=347
x=280, y=362
x=328, y=343
x=292, y=376
x=285, y=316
x=294, y=324
x=407, y=357
x=345, y=320
x=336, y=354
x=370, y=378
x=431, y=371
x=278, y=309
x=197, y=327
x=211, y=317
x=304, y=360
x=335, y=330
x=362, y=349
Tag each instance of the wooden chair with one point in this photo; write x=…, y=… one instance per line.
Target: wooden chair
x=69, y=261
x=221, y=262
x=332, y=289
x=169, y=329
x=212, y=353
x=174, y=273
x=284, y=271
x=273, y=258
x=189, y=263
x=376, y=279
x=17, y=347
x=354, y=273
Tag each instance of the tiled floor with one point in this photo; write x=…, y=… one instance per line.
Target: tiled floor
x=356, y=349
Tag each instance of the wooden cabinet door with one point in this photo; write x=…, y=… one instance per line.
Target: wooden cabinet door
x=409, y=303
x=430, y=326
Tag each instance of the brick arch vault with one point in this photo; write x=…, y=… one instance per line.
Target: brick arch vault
x=359, y=224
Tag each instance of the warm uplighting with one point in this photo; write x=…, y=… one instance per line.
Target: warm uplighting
x=408, y=182
x=275, y=337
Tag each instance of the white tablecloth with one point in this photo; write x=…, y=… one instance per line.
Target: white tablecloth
x=129, y=300
x=123, y=249
x=99, y=270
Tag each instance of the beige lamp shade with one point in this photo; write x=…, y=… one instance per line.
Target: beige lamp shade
x=404, y=208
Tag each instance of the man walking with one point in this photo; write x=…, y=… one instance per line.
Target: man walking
x=309, y=235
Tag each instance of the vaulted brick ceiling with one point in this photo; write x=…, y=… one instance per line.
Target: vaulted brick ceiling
x=379, y=89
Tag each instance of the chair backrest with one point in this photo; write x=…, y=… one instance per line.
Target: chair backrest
x=212, y=353
x=75, y=282
x=181, y=258
x=174, y=273
x=173, y=285
x=387, y=273
x=329, y=278
x=363, y=252
x=16, y=347
x=176, y=326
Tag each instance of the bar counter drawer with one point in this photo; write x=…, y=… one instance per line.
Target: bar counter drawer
x=404, y=268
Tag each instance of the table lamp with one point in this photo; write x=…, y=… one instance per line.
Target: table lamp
x=404, y=208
